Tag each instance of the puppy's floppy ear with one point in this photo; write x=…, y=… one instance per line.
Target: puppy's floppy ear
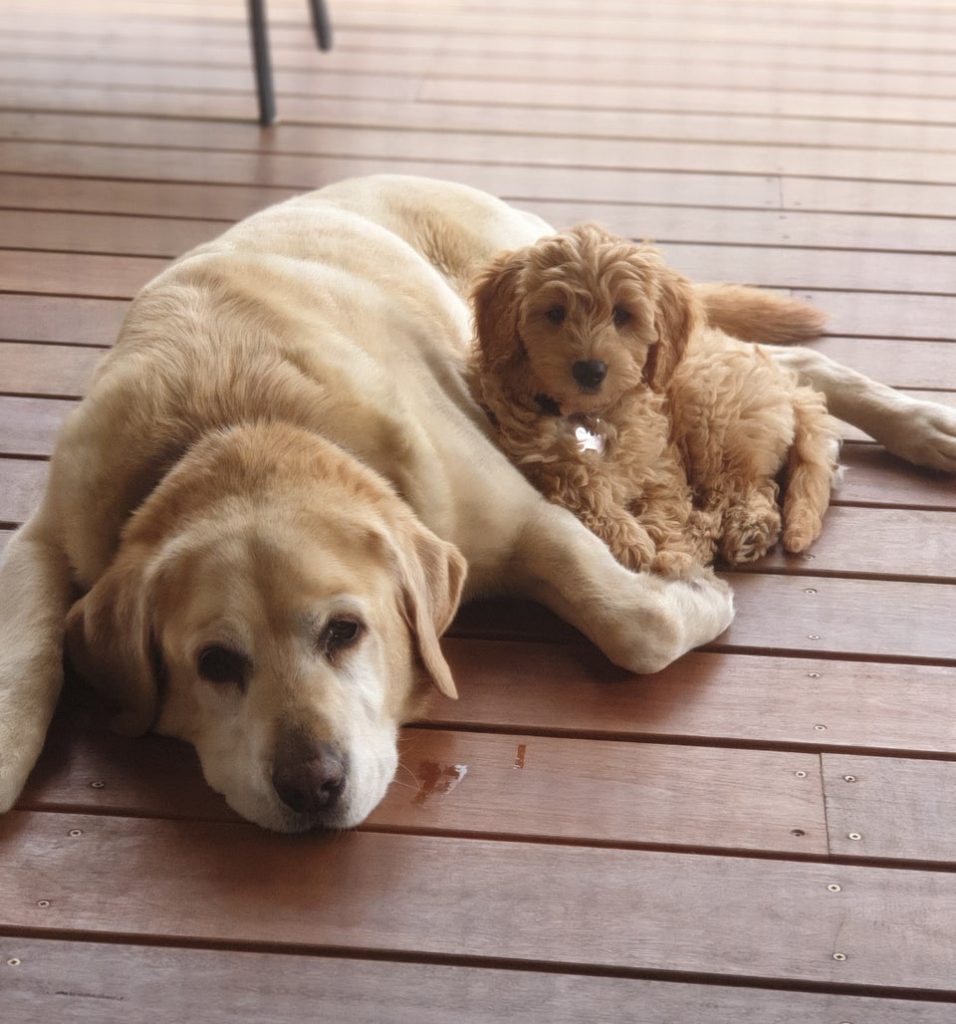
x=677, y=316
x=109, y=642
x=497, y=303
x=431, y=573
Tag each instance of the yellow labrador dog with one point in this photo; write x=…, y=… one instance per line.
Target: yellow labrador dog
x=275, y=488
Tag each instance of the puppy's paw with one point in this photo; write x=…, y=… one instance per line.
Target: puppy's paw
x=677, y=565
x=749, y=533
x=632, y=546
x=925, y=434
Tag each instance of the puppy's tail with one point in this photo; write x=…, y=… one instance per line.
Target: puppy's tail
x=752, y=314
x=35, y=594
x=811, y=470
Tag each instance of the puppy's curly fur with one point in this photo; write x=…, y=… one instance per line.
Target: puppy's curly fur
x=585, y=341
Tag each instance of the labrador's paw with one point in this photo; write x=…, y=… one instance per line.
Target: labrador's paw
x=925, y=434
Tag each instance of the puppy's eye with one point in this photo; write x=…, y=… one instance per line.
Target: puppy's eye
x=339, y=634
x=621, y=316
x=218, y=664
x=556, y=314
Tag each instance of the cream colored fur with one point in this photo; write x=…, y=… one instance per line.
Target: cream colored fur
x=283, y=438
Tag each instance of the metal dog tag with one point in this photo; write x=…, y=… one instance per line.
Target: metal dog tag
x=587, y=440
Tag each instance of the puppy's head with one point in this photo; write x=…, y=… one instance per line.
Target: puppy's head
x=285, y=626
x=580, y=319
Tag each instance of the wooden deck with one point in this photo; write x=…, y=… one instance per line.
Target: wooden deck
x=764, y=832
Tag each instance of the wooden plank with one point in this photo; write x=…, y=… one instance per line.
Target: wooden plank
x=815, y=268
x=804, y=228
x=152, y=199
x=571, y=689
x=657, y=24
x=876, y=478
x=638, y=220
x=293, y=34
x=876, y=542
x=436, y=144
x=319, y=79
x=109, y=277
x=304, y=172
x=487, y=785
x=920, y=364
x=797, y=615
x=867, y=618
x=519, y=120
x=23, y=483
x=904, y=198
x=126, y=984
x=91, y=322
x=644, y=65
x=60, y=370
x=890, y=808
x=89, y=233
x=28, y=426
x=611, y=96
x=469, y=898
x=603, y=27
x=887, y=316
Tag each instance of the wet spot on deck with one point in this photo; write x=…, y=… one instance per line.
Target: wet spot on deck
x=437, y=778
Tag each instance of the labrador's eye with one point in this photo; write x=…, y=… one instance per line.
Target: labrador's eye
x=556, y=314
x=339, y=634
x=218, y=664
x=621, y=316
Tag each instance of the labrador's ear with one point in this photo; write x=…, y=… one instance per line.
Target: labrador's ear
x=432, y=573
x=497, y=304
x=109, y=642
x=677, y=316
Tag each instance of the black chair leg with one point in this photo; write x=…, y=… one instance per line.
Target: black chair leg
x=263, y=63
x=321, y=24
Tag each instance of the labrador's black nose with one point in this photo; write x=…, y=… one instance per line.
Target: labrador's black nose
x=589, y=372
x=309, y=775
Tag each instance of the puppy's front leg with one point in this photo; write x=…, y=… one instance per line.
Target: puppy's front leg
x=641, y=622
x=920, y=432
x=592, y=497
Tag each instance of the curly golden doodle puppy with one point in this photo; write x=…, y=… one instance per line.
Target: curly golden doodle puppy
x=258, y=521
x=611, y=391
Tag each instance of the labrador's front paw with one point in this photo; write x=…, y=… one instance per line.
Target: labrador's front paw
x=925, y=434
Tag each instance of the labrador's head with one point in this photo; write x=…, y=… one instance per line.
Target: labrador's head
x=277, y=606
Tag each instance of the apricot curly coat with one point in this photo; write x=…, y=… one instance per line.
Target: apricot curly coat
x=585, y=339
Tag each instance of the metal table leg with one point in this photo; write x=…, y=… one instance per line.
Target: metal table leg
x=263, y=62
x=321, y=24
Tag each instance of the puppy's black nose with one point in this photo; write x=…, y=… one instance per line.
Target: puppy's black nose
x=589, y=372
x=308, y=775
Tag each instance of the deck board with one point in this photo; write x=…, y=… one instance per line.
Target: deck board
x=480, y=899
x=124, y=984
x=566, y=841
